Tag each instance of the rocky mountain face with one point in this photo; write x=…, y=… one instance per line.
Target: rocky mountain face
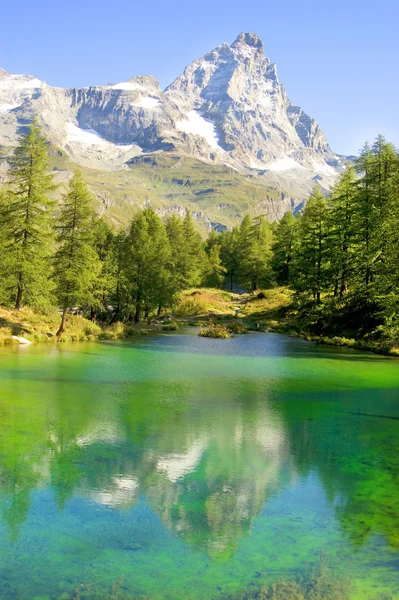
x=227, y=108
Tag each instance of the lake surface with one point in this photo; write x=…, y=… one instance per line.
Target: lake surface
x=196, y=468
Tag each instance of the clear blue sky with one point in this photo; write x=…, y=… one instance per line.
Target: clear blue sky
x=338, y=60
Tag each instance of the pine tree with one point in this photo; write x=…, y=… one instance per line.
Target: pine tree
x=194, y=252
x=178, y=261
x=284, y=247
x=387, y=283
x=105, y=283
x=254, y=253
x=27, y=220
x=229, y=254
x=76, y=264
x=375, y=167
x=215, y=271
x=120, y=294
x=312, y=260
x=159, y=291
x=364, y=219
x=342, y=232
x=147, y=261
x=4, y=271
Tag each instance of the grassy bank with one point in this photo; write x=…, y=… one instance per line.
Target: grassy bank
x=273, y=310
x=42, y=327
x=217, y=312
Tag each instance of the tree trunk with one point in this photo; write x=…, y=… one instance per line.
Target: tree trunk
x=61, y=328
x=137, y=315
x=117, y=311
x=18, y=302
x=343, y=288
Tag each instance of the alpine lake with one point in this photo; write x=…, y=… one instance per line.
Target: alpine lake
x=176, y=467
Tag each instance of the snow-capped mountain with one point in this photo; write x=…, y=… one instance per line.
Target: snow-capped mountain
x=226, y=108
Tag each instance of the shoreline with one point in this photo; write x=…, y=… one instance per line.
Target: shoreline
x=221, y=312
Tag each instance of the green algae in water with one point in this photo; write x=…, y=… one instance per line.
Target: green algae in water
x=197, y=469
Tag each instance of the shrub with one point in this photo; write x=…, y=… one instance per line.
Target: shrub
x=215, y=331
x=237, y=326
x=117, y=328
x=91, y=328
x=171, y=326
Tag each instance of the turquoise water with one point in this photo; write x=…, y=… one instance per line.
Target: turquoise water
x=196, y=467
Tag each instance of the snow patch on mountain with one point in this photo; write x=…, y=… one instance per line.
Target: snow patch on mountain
x=197, y=125
x=84, y=136
x=7, y=107
x=127, y=86
x=90, y=137
x=20, y=82
x=284, y=164
x=146, y=102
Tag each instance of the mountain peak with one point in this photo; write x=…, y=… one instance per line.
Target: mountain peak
x=249, y=39
x=227, y=107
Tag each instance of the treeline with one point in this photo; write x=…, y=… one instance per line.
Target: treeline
x=64, y=255
x=340, y=254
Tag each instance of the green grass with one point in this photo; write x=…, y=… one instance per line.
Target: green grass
x=203, y=302
x=170, y=182
x=42, y=327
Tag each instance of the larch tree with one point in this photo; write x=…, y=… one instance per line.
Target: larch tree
x=193, y=251
x=285, y=234
x=76, y=263
x=229, y=254
x=26, y=214
x=342, y=232
x=254, y=253
x=215, y=271
x=147, y=257
x=312, y=260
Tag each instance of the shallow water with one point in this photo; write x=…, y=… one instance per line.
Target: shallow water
x=195, y=466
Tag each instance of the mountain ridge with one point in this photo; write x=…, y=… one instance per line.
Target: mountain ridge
x=226, y=108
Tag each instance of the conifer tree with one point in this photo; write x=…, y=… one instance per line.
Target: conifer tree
x=103, y=243
x=159, y=290
x=120, y=294
x=215, y=271
x=146, y=263
x=342, y=232
x=364, y=220
x=376, y=168
x=284, y=247
x=178, y=262
x=27, y=220
x=76, y=264
x=389, y=283
x=311, y=261
x=194, y=252
x=229, y=254
x=254, y=253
